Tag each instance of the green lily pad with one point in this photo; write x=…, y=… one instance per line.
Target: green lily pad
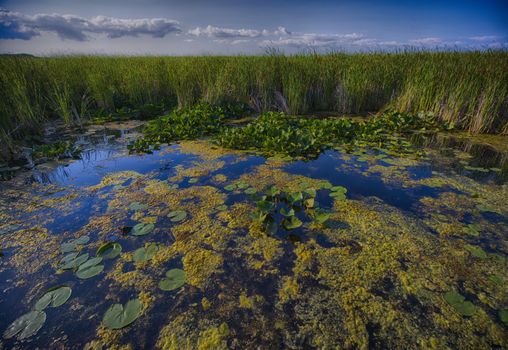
x=231, y=187
x=119, y=316
x=136, y=206
x=54, y=296
x=145, y=253
x=193, y=180
x=310, y=192
x=142, y=229
x=265, y=206
x=321, y=217
x=242, y=185
x=26, y=325
x=326, y=185
x=221, y=207
x=295, y=197
x=465, y=308
x=338, y=195
x=71, y=261
x=503, y=315
x=486, y=208
x=309, y=203
x=340, y=189
x=109, y=250
x=177, y=215
x=175, y=278
x=250, y=190
x=473, y=230
x=273, y=191
x=287, y=213
x=477, y=252
x=72, y=245
x=292, y=223
x=90, y=269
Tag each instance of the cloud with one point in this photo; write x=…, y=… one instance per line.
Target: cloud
x=484, y=38
x=14, y=25
x=225, y=33
x=318, y=40
x=426, y=41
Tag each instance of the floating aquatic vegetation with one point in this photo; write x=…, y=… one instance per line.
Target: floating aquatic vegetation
x=90, y=268
x=109, y=250
x=73, y=244
x=177, y=215
x=26, y=325
x=338, y=192
x=119, y=316
x=142, y=229
x=250, y=190
x=193, y=180
x=477, y=252
x=292, y=223
x=73, y=261
x=53, y=297
x=221, y=207
x=136, y=206
x=459, y=303
x=175, y=278
x=503, y=316
x=145, y=253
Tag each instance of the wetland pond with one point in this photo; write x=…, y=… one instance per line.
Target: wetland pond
x=199, y=247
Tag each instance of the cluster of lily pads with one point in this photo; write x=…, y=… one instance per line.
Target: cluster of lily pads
x=30, y=323
x=277, y=208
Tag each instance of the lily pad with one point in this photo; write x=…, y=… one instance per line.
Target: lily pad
x=273, y=191
x=339, y=189
x=177, y=215
x=136, y=206
x=90, y=269
x=465, y=308
x=54, y=296
x=503, y=315
x=193, y=180
x=72, y=245
x=145, y=253
x=221, y=207
x=295, y=197
x=231, y=187
x=321, y=217
x=309, y=203
x=109, y=250
x=473, y=230
x=119, y=316
x=142, y=229
x=292, y=223
x=175, y=278
x=71, y=261
x=287, y=213
x=242, y=185
x=310, y=192
x=250, y=190
x=26, y=325
x=477, y=252
x=486, y=208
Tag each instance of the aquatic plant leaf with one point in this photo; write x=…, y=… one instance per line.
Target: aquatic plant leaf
x=221, y=207
x=287, y=213
x=340, y=189
x=81, y=240
x=264, y=205
x=26, y=325
x=145, y=253
x=273, y=191
x=503, y=316
x=177, y=215
x=310, y=192
x=250, y=190
x=477, y=252
x=193, y=180
x=487, y=208
x=90, y=268
x=109, y=250
x=309, y=203
x=292, y=223
x=295, y=197
x=231, y=187
x=119, y=316
x=242, y=185
x=54, y=297
x=321, y=217
x=136, y=206
x=142, y=229
x=73, y=263
x=326, y=185
x=465, y=308
x=175, y=278
x=338, y=195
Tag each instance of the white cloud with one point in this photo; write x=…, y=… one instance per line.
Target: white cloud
x=426, y=41
x=218, y=32
x=71, y=27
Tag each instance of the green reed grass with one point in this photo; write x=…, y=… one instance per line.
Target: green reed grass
x=469, y=89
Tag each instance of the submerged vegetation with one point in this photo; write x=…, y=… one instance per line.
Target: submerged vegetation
x=468, y=89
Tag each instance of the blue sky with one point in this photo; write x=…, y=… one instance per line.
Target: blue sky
x=173, y=27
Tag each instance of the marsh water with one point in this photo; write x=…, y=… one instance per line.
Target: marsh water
x=365, y=248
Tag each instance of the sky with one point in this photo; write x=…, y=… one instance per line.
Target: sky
x=210, y=27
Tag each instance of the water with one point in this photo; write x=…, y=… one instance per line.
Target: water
x=374, y=275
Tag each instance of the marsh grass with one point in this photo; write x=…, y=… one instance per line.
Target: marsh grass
x=469, y=89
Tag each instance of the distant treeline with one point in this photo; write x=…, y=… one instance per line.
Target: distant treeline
x=467, y=88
